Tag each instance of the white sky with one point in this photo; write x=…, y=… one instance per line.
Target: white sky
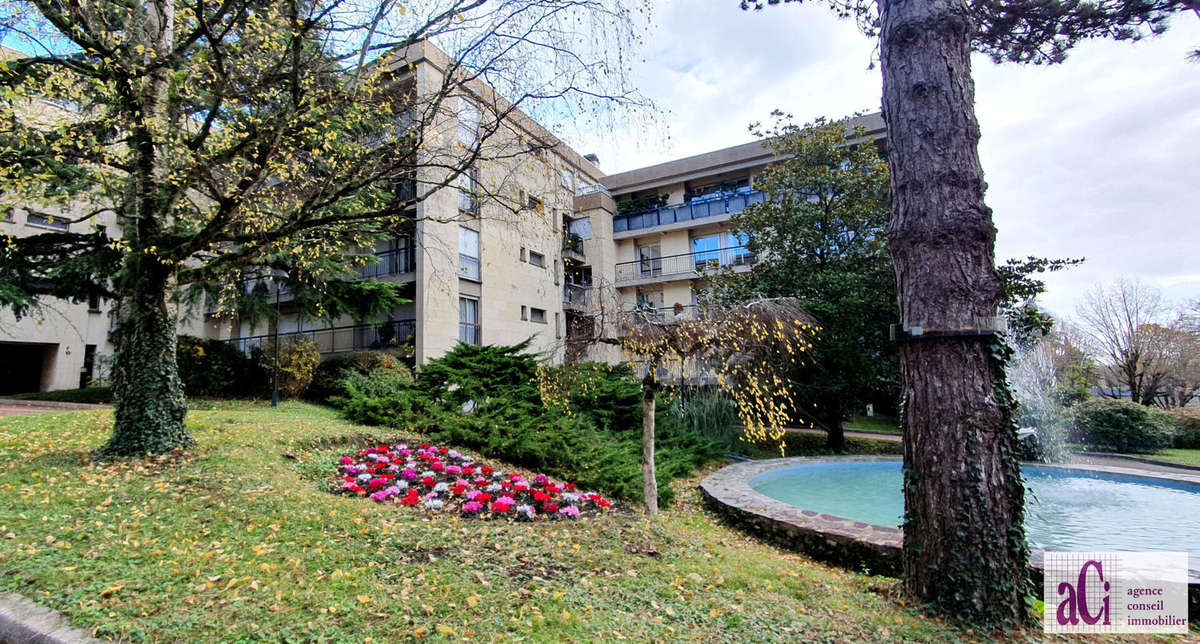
x=1096, y=158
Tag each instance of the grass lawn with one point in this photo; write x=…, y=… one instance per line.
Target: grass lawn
x=1180, y=456
x=873, y=424
x=238, y=542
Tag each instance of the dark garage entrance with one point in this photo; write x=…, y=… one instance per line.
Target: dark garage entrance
x=21, y=367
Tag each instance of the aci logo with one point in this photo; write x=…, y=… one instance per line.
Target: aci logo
x=1074, y=606
x=1115, y=592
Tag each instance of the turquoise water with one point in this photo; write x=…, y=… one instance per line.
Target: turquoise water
x=1065, y=510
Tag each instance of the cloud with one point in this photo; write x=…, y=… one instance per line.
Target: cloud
x=1098, y=157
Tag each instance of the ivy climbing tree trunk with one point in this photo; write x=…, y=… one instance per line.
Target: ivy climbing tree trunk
x=964, y=540
x=649, y=478
x=150, y=404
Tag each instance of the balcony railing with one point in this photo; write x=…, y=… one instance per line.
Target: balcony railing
x=391, y=262
x=468, y=267
x=576, y=294
x=358, y=337
x=661, y=315
x=687, y=264
x=698, y=208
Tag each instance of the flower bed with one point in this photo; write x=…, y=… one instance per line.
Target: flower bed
x=440, y=479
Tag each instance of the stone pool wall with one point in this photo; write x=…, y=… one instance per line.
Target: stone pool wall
x=853, y=544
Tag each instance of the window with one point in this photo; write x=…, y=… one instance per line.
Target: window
x=468, y=254
x=8, y=215
x=568, y=179
x=650, y=300
x=524, y=312
x=537, y=315
x=468, y=201
x=649, y=260
x=556, y=273
x=468, y=122
x=42, y=221
x=557, y=325
x=468, y=320
x=94, y=301
x=537, y=259
x=522, y=253
x=707, y=251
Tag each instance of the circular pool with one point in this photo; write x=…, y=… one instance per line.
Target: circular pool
x=1066, y=508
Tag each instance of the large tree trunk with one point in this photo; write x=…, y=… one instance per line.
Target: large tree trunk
x=150, y=404
x=964, y=540
x=649, y=481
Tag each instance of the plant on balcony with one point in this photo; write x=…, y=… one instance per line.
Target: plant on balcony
x=628, y=206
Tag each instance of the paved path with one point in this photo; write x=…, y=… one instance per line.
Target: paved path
x=11, y=407
x=850, y=433
x=1130, y=463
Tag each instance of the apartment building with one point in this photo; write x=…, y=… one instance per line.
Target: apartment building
x=671, y=226
x=486, y=259
x=534, y=243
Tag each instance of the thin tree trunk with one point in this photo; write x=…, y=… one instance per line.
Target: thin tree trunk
x=835, y=437
x=150, y=403
x=964, y=541
x=649, y=481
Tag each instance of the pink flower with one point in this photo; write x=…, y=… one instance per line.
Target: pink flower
x=471, y=507
x=346, y=460
x=502, y=504
x=570, y=511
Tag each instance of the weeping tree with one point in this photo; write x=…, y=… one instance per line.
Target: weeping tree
x=745, y=348
x=964, y=541
x=202, y=148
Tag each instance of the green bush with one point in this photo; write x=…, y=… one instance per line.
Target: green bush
x=327, y=381
x=298, y=360
x=490, y=399
x=217, y=369
x=87, y=395
x=1121, y=426
x=711, y=413
x=1187, y=428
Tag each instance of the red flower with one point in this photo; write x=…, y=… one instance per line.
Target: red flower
x=550, y=507
x=428, y=481
x=348, y=479
x=443, y=450
x=484, y=497
x=409, y=500
x=458, y=490
x=541, y=496
x=437, y=467
x=425, y=445
x=487, y=471
x=570, y=486
x=468, y=470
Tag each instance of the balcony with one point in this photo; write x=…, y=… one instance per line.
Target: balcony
x=576, y=297
x=725, y=203
x=359, y=337
x=572, y=247
x=391, y=262
x=685, y=266
x=660, y=315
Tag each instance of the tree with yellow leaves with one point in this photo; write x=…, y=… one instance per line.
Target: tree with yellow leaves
x=745, y=348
